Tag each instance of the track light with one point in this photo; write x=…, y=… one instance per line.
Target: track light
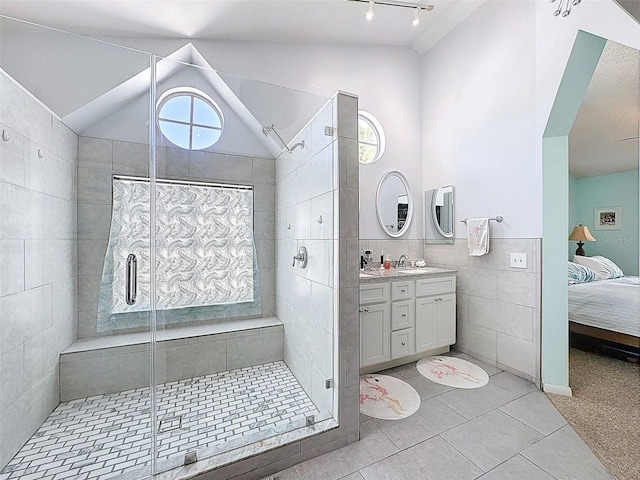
x=416, y=17
x=370, y=13
x=415, y=5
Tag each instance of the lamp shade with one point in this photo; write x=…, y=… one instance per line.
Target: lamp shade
x=581, y=233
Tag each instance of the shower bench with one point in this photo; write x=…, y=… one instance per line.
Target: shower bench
x=114, y=363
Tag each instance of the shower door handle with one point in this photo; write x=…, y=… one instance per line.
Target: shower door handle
x=132, y=279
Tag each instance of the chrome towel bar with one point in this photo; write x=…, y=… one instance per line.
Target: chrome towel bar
x=497, y=219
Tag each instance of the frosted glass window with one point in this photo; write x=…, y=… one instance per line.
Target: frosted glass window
x=189, y=119
x=370, y=138
x=204, y=246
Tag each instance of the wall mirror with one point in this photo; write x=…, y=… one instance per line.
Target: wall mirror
x=438, y=208
x=394, y=204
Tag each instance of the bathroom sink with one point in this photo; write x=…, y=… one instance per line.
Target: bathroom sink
x=413, y=271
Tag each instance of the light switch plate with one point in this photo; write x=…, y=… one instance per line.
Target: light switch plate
x=518, y=260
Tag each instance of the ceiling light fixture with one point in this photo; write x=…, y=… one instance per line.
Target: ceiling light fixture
x=416, y=17
x=370, y=13
x=566, y=4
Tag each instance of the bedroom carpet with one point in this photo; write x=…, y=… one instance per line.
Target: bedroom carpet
x=605, y=410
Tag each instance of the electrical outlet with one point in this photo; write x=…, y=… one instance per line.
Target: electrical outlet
x=518, y=260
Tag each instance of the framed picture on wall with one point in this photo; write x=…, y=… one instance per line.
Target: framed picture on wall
x=608, y=218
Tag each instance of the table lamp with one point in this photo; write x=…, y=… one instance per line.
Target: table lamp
x=581, y=233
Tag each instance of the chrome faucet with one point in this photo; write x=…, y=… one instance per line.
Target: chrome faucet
x=401, y=260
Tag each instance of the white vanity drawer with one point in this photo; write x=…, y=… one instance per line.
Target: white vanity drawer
x=403, y=314
x=435, y=286
x=374, y=293
x=402, y=343
x=402, y=290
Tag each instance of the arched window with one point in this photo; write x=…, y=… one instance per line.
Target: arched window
x=370, y=138
x=189, y=118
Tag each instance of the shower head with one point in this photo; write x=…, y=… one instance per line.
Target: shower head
x=268, y=129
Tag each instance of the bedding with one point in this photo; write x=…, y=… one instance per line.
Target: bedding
x=613, y=271
x=612, y=304
x=602, y=265
x=581, y=274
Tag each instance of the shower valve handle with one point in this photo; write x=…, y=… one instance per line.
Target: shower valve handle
x=301, y=257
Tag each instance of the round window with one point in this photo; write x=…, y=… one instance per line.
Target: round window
x=189, y=119
x=370, y=138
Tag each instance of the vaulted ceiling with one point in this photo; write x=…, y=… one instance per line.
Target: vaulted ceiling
x=309, y=21
x=608, y=115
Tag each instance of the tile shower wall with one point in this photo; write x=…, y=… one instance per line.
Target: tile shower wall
x=300, y=202
x=37, y=261
x=498, y=307
x=305, y=194
x=100, y=159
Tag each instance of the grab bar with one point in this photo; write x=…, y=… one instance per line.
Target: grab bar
x=497, y=219
x=132, y=279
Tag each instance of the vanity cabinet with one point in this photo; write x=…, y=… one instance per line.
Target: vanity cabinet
x=375, y=323
x=401, y=318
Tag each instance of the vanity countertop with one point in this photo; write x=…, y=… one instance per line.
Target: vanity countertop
x=377, y=275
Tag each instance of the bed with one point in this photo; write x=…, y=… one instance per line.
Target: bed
x=608, y=310
x=604, y=307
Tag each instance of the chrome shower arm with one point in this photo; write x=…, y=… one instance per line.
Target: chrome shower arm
x=271, y=128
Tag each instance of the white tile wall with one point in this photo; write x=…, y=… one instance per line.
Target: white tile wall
x=320, y=302
x=498, y=316
x=37, y=261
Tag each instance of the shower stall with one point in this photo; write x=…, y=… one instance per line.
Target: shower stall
x=175, y=244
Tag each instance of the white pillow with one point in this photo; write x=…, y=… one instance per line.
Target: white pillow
x=613, y=270
x=593, y=264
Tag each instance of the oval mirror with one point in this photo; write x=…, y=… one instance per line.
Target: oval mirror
x=394, y=204
x=439, y=226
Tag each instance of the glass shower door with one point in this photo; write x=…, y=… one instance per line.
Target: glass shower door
x=226, y=378
x=77, y=110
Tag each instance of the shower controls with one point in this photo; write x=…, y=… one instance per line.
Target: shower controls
x=301, y=257
x=132, y=280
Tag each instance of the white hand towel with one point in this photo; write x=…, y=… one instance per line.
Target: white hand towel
x=478, y=236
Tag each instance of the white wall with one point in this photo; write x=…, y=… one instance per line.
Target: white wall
x=488, y=89
x=478, y=101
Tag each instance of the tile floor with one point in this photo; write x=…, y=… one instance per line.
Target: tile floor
x=108, y=436
x=504, y=430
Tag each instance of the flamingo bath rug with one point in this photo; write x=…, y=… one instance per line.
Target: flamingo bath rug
x=387, y=398
x=453, y=372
